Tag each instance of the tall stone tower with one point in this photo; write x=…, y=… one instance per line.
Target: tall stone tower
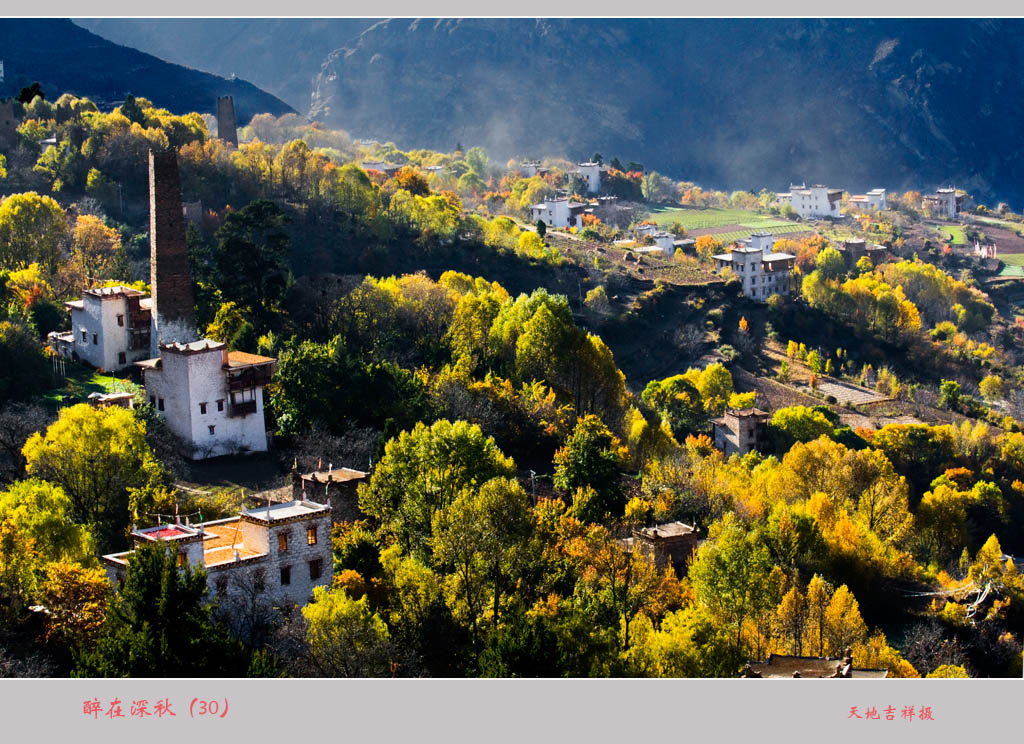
x=173, y=315
x=226, y=120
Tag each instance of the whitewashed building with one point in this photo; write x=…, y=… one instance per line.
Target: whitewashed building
x=873, y=201
x=110, y=328
x=763, y=271
x=559, y=212
x=591, y=173
x=210, y=397
x=813, y=202
x=284, y=547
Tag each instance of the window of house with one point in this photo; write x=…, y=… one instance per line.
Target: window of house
x=286, y=575
x=95, y=339
x=182, y=560
x=316, y=568
x=282, y=542
x=202, y=408
x=85, y=337
x=152, y=400
x=211, y=428
x=121, y=358
x=311, y=535
x=222, y=586
x=220, y=404
x=159, y=404
x=120, y=320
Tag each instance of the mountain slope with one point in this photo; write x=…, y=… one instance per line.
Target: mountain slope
x=737, y=103
x=282, y=55
x=63, y=57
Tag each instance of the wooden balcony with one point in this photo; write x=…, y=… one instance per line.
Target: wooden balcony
x=241, y=409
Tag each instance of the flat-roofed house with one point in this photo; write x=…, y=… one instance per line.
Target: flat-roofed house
x=945, y=203
x=740, y=431
x=559, y=212
x=762, y=270
x=110, y=328
x=210, y=397
x=813, y=202
x=287, y=547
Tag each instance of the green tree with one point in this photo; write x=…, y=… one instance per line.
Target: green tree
x=830, y=263
x=423, y=470
x=345, y=637
x=589, y=459
x=25, y=370
x=679, y=402
x=730, y=573
x=798, y=424
x=160, y=625
x=542, y=228
x=252, y=259
x=949, y=394
x=101, y=460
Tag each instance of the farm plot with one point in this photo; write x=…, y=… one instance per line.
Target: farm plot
x=846, y=393
x=701, y=219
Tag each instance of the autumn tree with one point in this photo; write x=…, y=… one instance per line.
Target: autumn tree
x=424, y=470
x=75, y=599
x=32, y=229
x=344, y=637
x=101, y=460
x=44, y=513
x=95, y=248
x=707, y=246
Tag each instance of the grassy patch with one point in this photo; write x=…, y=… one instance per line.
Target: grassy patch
x=952, y=234
x=79, y=383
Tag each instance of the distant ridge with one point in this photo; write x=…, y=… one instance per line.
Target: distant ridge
x=63, y=57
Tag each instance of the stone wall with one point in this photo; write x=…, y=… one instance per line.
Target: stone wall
x=226, y=129
x=173, y=316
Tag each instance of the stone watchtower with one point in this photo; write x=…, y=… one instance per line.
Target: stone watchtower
x=226, y=129
x=173, y=313
x=8, y=125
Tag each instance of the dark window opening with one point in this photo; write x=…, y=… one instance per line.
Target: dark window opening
x=286, y=575
x=202, y=408
x=120, y=320
x=160, y=404
x=315, y=568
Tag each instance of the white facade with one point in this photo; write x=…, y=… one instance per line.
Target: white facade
x=813, y=202
x=210, y=397
x=591, y=173
x=558, y=213
x=762, y=271
x=666, y=242
x=109, y=328
x=873, y=201
x=286, y=547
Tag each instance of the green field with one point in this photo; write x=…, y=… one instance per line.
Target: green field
x=789, y=229
x=1014, y=264
x=701, y=219
x=953, y=233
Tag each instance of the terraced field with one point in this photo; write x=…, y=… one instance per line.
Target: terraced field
x=727, y=225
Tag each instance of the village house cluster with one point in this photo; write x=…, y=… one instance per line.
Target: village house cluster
x=761, y=269
x=211, y=398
